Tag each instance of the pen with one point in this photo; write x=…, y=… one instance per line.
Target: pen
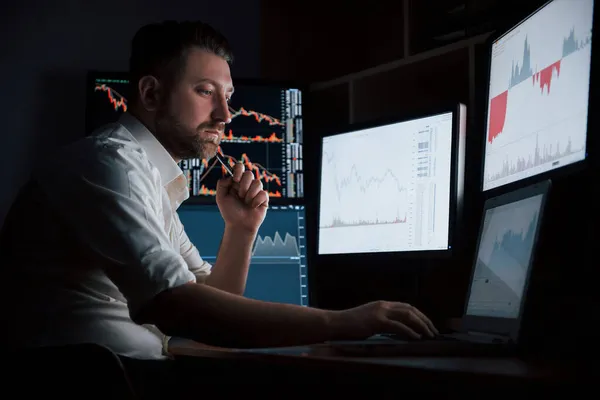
x=224, y=165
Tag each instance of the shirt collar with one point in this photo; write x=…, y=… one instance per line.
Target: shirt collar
x=171, y=175
x=157, y=154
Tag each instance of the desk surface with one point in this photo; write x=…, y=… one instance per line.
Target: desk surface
x=320, y=355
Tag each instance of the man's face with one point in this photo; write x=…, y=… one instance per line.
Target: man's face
x=191, y=118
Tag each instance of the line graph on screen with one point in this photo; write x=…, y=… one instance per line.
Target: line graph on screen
x=539, y=88
x=119, y=104
x=274, y=249
x=357, y=198
x=255, y=137
x=259, y=117
x=259, y=171
x=116, y=99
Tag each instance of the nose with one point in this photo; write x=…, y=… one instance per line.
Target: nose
x=221, y=111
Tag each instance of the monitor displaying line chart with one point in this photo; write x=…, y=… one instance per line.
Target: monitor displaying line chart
x=278, y=269
x=387, y=188
x=265, y=134
x=538, y=94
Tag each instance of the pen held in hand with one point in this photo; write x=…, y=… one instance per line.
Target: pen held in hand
x=235, y=184
x=224, y=165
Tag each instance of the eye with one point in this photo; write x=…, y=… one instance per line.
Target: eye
x=204, y=92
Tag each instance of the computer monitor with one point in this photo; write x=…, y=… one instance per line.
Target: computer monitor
x=539, y=83
x=393, y=186
x=278, y=268
x=266, y=134
x=503, y=260
x=106, y=98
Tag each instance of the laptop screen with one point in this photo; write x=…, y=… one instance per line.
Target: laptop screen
x=504, y=258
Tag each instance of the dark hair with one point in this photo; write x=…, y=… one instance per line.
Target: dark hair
x=161, y=50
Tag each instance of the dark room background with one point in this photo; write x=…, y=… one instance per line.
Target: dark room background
x=360, y=63
x=48, y=46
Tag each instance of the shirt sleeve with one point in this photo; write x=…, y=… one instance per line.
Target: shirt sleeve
x=199, y=267
x=108, y=194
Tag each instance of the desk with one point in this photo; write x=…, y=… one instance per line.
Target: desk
x=317, y=364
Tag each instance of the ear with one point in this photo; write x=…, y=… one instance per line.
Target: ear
x=149, y=90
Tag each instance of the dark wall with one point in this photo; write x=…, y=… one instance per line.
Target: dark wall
x=315, y=40
x=47, y=47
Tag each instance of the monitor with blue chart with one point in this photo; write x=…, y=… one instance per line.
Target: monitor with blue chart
x=278, y=268
x=394, y=186
x=504, y=259
x=539, y=90
x=265, y=133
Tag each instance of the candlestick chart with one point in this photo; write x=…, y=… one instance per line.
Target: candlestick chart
x=106, y=101
x=265, y=134
x=203, y=174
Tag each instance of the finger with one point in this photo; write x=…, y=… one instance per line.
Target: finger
x=426, y=320
x=226, y=186
x=255, y=187
x=223, y=186
x=245, y=182
x=401, y=329
x=238, y=170
x=234, y=188
x=261, y=199
x=410, y=318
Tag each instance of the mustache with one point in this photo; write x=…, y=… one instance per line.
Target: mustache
x=212, y=126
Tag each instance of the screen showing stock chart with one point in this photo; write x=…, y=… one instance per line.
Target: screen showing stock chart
x=387, y=189
x=278, y=271
x=265, y=134
x=503, y=258
x=538, y=94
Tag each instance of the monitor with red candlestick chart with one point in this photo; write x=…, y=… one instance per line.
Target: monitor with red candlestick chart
x=537, y=110
x=265, y=134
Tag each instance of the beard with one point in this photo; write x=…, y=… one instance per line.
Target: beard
x=180, y=141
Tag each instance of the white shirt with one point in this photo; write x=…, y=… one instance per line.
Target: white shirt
x=96, y=238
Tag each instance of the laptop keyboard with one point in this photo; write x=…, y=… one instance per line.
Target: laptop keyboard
x=440, y=337
x=443, y=337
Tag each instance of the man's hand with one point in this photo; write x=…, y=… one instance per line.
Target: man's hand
x=383, y=317
x=242, y=201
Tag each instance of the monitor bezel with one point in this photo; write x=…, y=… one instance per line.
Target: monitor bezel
x=459, y=127
x=506, y=327
x=92, y=75
x=557, y=173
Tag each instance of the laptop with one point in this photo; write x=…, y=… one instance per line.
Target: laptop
x=497, y=291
